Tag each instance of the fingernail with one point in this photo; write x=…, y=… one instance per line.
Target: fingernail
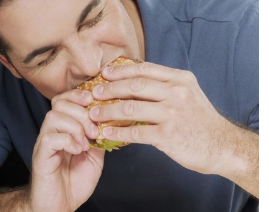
x=107, y=131
x=108, y=70
x=99, y=89
x=95, y=111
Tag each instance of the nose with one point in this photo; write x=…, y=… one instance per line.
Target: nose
x=86, y=58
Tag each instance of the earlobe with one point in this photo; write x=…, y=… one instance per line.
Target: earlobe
x=9, y=66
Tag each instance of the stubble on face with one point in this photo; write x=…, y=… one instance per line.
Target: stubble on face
x=58, y=27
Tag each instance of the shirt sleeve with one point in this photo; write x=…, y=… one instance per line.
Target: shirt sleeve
x=5, y=144
x=246, y=68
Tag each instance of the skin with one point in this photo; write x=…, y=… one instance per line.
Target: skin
x=199, y=139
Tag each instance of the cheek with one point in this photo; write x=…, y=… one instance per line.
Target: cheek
x=49, y=90
x=50, y=82
x=115, y=29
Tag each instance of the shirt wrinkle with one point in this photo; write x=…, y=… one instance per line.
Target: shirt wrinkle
x=251, y=7
x=249, y=121
x=240, y=117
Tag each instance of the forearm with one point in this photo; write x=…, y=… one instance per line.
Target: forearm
x=15, y=200
x=240, y=158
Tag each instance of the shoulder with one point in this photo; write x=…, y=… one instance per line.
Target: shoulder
x=5, y=80
x=5, y=140
x=213, y=10
x=9, y=95
x=8, y=85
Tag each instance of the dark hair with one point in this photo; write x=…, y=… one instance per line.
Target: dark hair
x=4, y=45
x=5, y=2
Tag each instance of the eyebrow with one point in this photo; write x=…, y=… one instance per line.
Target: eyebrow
x=87, y=10
x=81, y=19
x=36, y=52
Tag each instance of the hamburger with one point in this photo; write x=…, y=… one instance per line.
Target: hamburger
x=101, y=142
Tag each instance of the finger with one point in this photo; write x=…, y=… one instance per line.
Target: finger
x=137, y=88
x=143, y=70
x=78, y=113
x=50, y=143
x=56, y=122
x=83, y=98
x=128, y=110
x=147, y=134
x=52, y=148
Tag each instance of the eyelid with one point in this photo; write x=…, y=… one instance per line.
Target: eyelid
x=94, y=20
x=48, y=60
x=88, y=24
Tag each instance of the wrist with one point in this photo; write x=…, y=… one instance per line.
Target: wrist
x=229, y=159
x=238, y=158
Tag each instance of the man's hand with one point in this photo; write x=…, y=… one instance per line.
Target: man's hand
x=184, y=124
x=65, y=169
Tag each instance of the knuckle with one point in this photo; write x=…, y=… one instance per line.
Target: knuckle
x=45, y=138
x=144, y=69
x=54, y=100
x=138, y=84
x=171, y=112
x=59, y=104
x=168, y=131
x=176, y=88
x=67, y=139
x=186, y=94
x=189, y=77
x=135, y=133
x=51, y=116
x=129, y=107
x=181, y=91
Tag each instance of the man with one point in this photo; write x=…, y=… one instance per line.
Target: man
x=195, y=159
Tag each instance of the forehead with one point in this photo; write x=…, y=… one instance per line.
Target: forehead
x=29, y=23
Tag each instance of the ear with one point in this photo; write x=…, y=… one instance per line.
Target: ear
x=9, y=66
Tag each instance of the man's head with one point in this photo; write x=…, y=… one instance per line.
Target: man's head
x=58, y=44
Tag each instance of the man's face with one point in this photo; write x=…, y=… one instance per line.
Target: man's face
x=58, y=44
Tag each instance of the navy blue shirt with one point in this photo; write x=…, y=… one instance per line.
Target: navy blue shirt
x=218, y=41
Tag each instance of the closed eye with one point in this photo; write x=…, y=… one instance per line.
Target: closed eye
x=94, y=21
x=88, y=24
x=48, y=60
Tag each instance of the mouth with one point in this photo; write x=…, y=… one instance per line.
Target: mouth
x=104, y=65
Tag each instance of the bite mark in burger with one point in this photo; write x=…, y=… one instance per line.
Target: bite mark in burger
x=101, y=142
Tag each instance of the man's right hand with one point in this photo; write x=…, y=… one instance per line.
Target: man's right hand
x=65, y=169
